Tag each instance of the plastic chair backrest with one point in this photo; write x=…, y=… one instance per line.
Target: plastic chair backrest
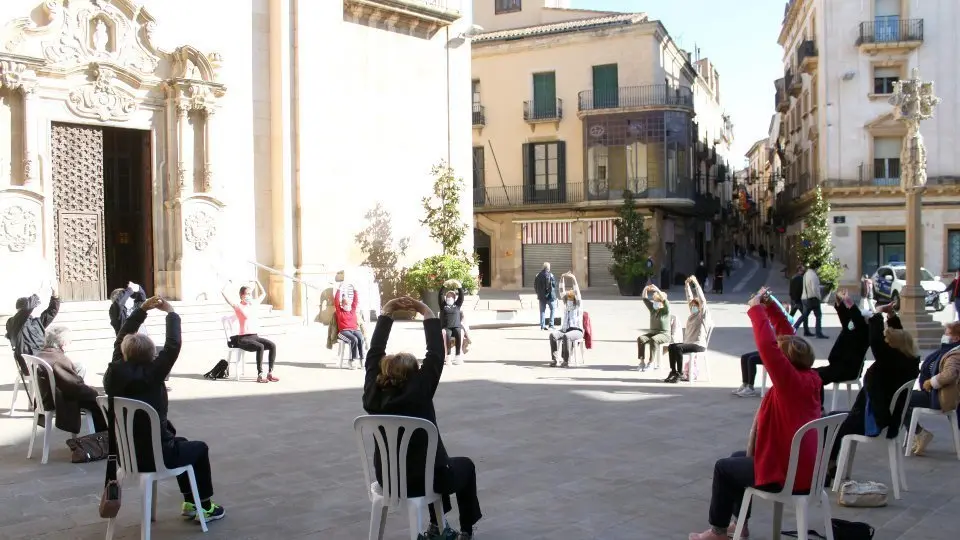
x=826, y=429
x=228, y=322
x=386, y=432
x=124, y=412
x=908, y=388
x=33, y=364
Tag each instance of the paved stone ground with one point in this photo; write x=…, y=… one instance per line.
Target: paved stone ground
x=599, y=452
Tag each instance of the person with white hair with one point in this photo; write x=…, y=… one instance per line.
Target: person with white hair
x=137, y=372
x=72, y=394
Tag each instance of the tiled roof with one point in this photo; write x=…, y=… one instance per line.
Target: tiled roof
x=593, y=23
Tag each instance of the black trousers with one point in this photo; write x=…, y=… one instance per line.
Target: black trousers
x=460, y=479
x=855, y=424
x=718, y=284
x=748, y=367
x=354, y=338
x=676, y=352
x=731, y=478
x=96, y=414
x=196, y=453
x=810, y=305
x=256, y=344
x=457, y=335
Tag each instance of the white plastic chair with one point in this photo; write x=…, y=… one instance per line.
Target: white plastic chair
x=826, y=432
x=33, y=365
x=124, y=412
x=235, y=355
x=698, y=364
x=578, y=353
x=344, y=352
x=763, y=379
x=915, y=419
x=850, y=395
x=848, y=448
x=17, y=384
x=393, y=445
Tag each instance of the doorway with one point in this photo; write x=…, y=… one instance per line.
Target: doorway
x=481, y=244
x=102, y=205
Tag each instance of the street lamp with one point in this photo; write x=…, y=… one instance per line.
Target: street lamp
x=913, y=101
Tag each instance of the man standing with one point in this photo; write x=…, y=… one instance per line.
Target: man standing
x=546, y=285
x=763, y=255
x=811, y=301
x=796, y=291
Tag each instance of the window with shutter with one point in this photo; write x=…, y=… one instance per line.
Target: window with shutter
x=883, y=79
x=886, y=160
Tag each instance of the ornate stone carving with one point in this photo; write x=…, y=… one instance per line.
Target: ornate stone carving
x=28, y=160
x=182, y=176
x=101, y=99
x=199, y=229
x=18, y=228
x=11, y=74
x=207, y=178
x=913, y=101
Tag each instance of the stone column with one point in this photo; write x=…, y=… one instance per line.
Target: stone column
x=208, y=177
x=912, y=295
x=184, y=175
x=29, y=135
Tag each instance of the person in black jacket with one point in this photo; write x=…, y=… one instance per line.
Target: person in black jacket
x=123, y=302
x=137, y=372
x=397, y=384
x=545, y=286
x=25, y=330
x=796, y=291
x=896, y=362
x=848, y=352
x=450, y=317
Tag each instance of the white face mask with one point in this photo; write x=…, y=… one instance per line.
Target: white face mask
x=37, y=311
x=247, y=299
x=657, y=305
x=128, y=303
x=946, y=339
x=449, y=301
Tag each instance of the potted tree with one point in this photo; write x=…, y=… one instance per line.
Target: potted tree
x=443, y=220
x=631, y=250
x=816, y=244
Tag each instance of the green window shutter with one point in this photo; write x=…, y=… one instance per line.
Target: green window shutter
x=606, y=89
x=561, y=162
x=544, y=95
x=527, y=164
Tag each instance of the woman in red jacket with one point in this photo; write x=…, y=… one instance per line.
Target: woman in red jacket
x=793, y=401
x=345, y=304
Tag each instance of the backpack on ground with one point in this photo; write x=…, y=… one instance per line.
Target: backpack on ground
x=220, y=371
x=842, y=530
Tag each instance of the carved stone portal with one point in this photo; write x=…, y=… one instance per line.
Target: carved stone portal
x=18, y=228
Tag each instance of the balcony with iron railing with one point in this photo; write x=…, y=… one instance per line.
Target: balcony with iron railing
x=781, y=100
x=794, y=83
x=535, y=111
x=634, y=98
x=479, y=115
x=807, y=56
x=643, y=188
x=890, y=32
x=595, y=190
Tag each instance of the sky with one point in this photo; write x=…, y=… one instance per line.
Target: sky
x=739, y=37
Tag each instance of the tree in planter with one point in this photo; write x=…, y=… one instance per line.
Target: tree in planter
x=816, y=244
x=382, y=253
x=632, y=246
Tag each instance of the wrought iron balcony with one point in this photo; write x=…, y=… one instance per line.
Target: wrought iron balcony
x=794, y=83
x=807, y=56
x=884, y=32
x=479, y=115
x=642, y=188
x=526, y=195
x=543, y=111
x=636, y=97
x=781, y=100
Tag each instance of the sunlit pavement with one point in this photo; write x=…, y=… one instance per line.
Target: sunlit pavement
x=601, y=451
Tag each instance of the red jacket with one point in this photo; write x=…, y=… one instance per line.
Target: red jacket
x=346, y=320
x=587, y=331
x=793, y=401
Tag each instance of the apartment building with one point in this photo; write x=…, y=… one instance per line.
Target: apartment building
x=572, y=108
x=756, y=189
x=835, y=128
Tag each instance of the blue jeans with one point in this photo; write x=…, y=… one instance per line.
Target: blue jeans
x=543, y=306
x=810, y=305
x=956, y=307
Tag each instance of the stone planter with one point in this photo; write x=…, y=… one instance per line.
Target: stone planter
x=632, y=287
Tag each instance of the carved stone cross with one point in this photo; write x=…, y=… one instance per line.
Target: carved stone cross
x=913, y=100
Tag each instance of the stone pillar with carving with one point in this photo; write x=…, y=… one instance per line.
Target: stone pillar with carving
x=184, y=175
x=209, y=181
x=30, y=111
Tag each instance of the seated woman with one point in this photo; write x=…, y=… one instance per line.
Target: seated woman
x=571, y=326
x=247, y=339
x=896, y=358
x=72, y=393
x=695, y=332
x=348, y=328
x=793, y=401
x=848, y=352
x=750, y=360
x=939, y=382
x=450, y=303
x=659, y=333
x=399, y=384
x=137, y=372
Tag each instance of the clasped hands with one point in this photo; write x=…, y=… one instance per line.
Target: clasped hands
x=405, y=303
x=155, y=302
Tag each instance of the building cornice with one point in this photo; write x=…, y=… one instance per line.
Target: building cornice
x=794, y=9
x=499, y=47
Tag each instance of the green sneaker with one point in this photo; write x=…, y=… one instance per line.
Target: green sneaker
x=216, y=512
x=188, y=510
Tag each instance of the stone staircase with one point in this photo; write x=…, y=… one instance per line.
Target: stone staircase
x=89, y=323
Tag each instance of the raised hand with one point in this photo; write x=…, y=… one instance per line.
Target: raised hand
x=151, y=303
x=164, y=305
x=391, y=307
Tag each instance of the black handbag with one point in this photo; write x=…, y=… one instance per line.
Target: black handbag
x=842, y=530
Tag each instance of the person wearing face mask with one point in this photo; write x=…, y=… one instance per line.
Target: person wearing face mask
x=123, y=302
x=345, y=303
x=848, y=352
x=695, y=332
x=659, y=333
x=247, y=339
x=26, y=328
x=450, y=304
x=571, y=325
x=939, y=384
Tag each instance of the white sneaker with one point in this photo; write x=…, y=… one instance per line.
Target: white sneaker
x=456, y=360
x=740, y=389
x=748, y=392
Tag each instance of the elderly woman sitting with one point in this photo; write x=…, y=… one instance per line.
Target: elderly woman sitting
x=563, y=340
x=695, y=333
x=73, y=394
x=793, y=401
x=659, y=333
x=939, y=384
